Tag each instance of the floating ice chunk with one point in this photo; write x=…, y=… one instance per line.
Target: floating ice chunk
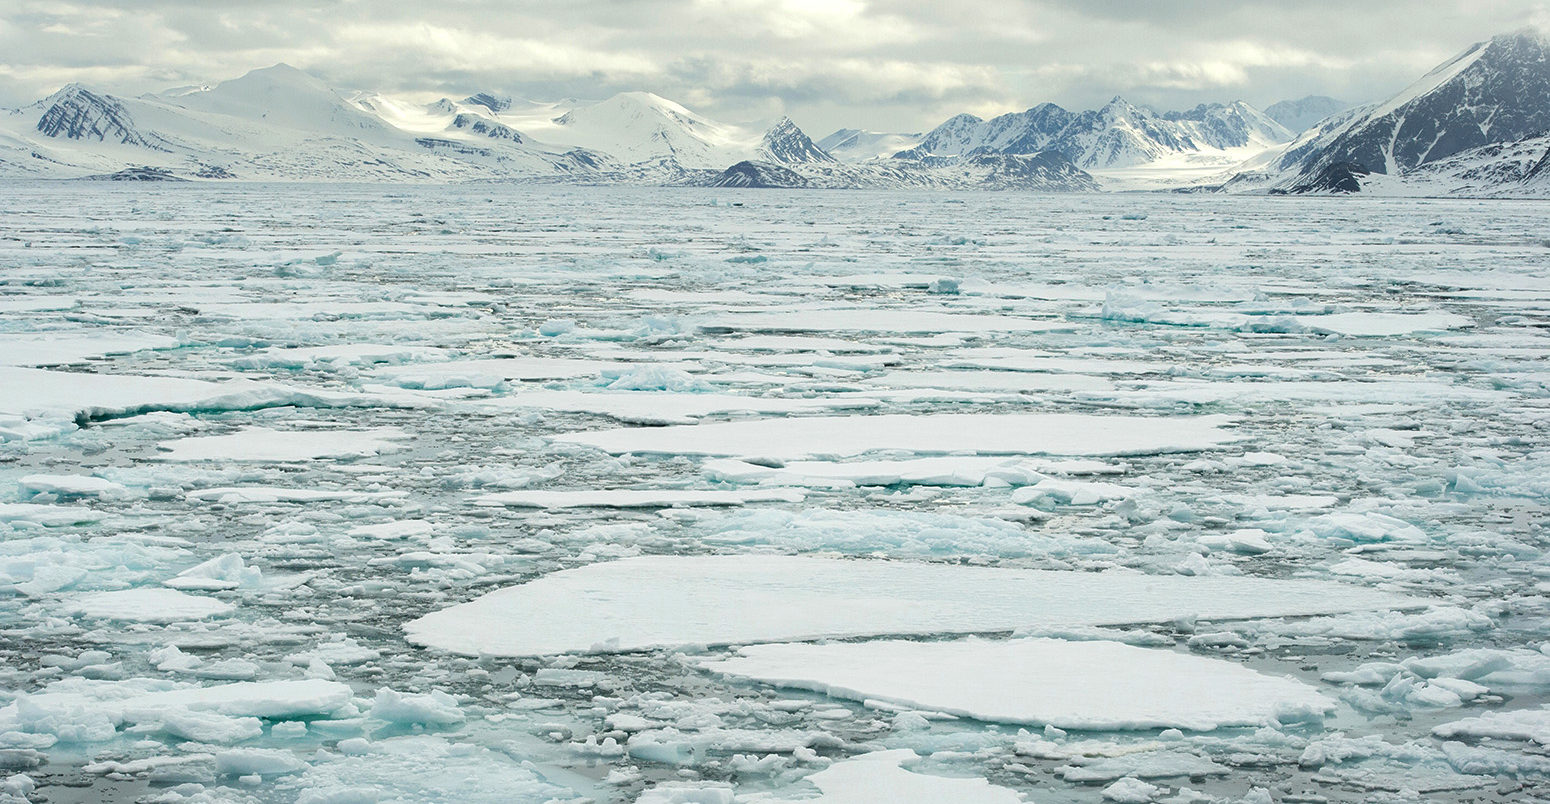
x=1071, y=492
x=227, y=571
x=637, y=498
x=49, y=516
x=36, y=403
x=420, y=768
x=876, y=777
x=229, y=495
x=1092, y=685
x=688, y=793
x=208, y=727
x=257, y=762
x=652, y=378
x=894, y=533
x=337, y=356
x=148, y=605
x=80, y=710
x=956, y=470
x=657, y=408
x=1365, y=527
x=435, y=708
x=1131, y=791
x=71, y=486
x=1528, y=725
x=397, y=529
x=491, y=372
x=284, y=446
x=1248, y=541
x=62, y=348
x=1009, y=381
x=940, y=433
x=1382, y=324
x=893, y=322
x=658, y=601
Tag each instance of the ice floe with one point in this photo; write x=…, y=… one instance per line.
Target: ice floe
x=666, y=601
x=1093, y=685
x=940, y=433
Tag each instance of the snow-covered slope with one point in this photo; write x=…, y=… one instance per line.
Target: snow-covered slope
x=856, y=145
x=1118, y=135
x=1302, y=114
x=1046, y=171
x=1493, y=94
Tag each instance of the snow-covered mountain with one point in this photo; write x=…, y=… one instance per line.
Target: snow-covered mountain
x=1118, y=135
x=1468, y=126
x=856, y=145
x=280, y=123
x=1046, y=171
x=1302, y=114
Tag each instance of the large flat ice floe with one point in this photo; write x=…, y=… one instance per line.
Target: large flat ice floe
x=284, y=446
x=938, y=433
x=877, y=777
x=663, y=601
x=1070, y=685
x=894, y=322
x=37, y=403
x=636, y=498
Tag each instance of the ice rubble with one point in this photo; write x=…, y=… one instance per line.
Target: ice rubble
x=939, y=433
x=1092, y=685
x=666, y=601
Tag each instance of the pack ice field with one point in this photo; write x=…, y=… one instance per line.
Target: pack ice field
x=502, y=493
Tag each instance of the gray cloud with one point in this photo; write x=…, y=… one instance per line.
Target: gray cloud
x=888, y=64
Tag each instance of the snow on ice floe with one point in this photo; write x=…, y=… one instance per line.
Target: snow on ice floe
x=878, y=776
x=939, y=433
x=71, y=486
x=893, y=322
x=636, y=498
x=284, y=446
x=1383, y=324
x=228, y=495
x=337, y=356
x=78, y=710
x=1092, y=685
x=951, y=470
x=38, y=403
x=420, y=768
x=660, y=407
x=489, y=372
x=148, y=605
x=64, y=348
x=891, y=532
x=664, y=601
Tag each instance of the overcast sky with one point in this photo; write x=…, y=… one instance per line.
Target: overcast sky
x=901, y=65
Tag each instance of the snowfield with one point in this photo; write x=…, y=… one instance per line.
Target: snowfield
x=514, y=493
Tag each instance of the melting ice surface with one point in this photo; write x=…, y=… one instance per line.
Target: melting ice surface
x=529, y=494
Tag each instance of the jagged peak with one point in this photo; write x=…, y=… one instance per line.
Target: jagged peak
x=489, y=100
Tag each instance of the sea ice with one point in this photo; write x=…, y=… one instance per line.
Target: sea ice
x=939, y=433
x=878, y=777
x=1091, y=685
x=663, y=601
x=284, y=446
x=148, y=605
x=636, y=498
